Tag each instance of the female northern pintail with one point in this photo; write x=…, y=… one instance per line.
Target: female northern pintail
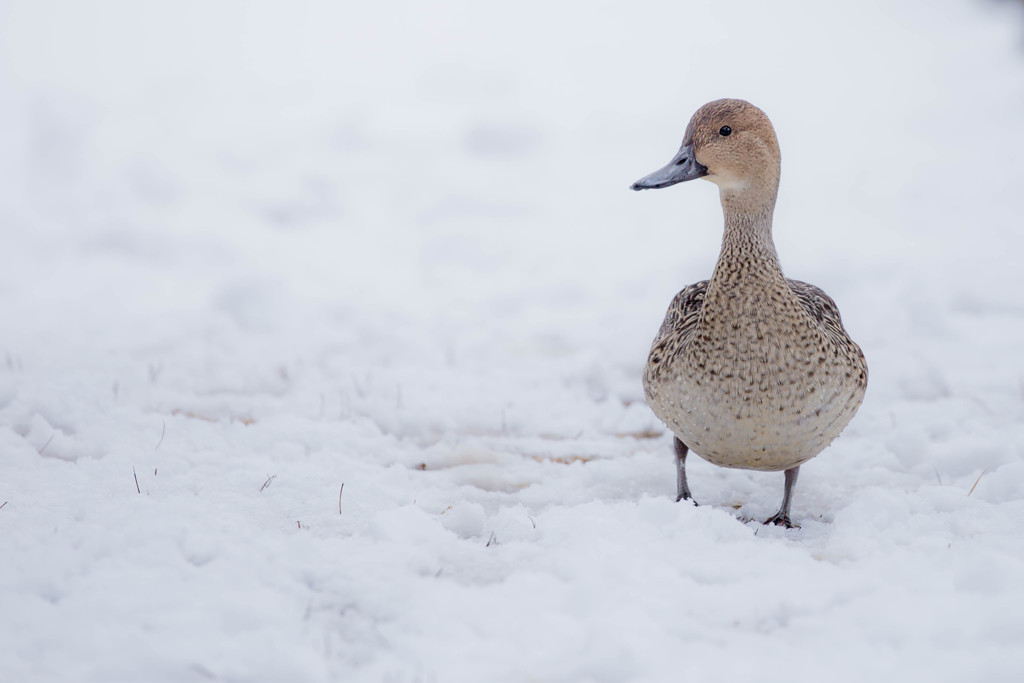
x=749, y=369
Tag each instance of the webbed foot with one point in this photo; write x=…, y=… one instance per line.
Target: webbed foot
x=682, y=489
x=781, y=518
x=686, y=496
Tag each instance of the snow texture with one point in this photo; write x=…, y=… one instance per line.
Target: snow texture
x=254, y=251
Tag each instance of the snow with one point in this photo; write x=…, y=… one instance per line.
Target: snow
x=253, y=253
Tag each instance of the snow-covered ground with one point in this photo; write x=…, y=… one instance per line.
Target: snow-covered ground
x=252, y=252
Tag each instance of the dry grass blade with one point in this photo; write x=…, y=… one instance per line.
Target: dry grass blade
x=136, y=480
x=562, y=459
x=163, y=430
x=340, y=491
x=207, y=418
x=46, y=445
x=977, y=480
x=642, y=434
x=270, y=478
x=2, y=505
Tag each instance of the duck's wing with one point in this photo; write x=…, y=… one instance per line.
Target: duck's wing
x=680, y=320
x=823, y=309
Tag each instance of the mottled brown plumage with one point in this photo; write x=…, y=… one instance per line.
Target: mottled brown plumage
x=749, y=369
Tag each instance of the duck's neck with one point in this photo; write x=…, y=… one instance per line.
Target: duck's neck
x=748, y=237
x=748, y=260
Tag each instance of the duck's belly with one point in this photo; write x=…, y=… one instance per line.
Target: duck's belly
x=753, y=416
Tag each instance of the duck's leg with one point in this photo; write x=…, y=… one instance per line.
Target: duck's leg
x=682, y=489
x=782, y=516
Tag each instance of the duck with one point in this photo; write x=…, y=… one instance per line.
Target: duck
x=749, y=369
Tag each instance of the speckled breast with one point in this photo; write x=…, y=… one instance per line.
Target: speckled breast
x=755, y=395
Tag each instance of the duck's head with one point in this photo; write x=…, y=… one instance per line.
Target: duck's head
x=729, y=142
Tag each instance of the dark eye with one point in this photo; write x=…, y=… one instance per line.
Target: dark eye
x=724, y=130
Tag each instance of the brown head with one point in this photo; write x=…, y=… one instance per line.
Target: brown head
x=732, y=144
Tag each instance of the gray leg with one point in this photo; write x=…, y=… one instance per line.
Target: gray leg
x=782, y=516
x=682, y=490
